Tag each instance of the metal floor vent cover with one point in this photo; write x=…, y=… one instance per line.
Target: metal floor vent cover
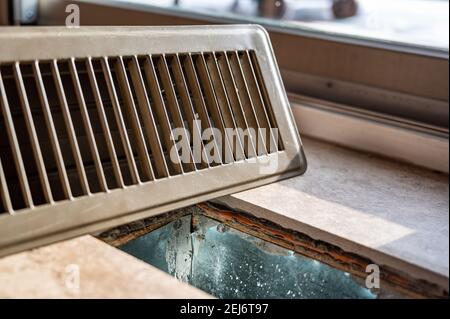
x=89, y=119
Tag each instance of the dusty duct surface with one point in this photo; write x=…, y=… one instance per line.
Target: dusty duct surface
x=231, y=264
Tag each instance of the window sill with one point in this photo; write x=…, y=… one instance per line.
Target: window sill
x=406, y=141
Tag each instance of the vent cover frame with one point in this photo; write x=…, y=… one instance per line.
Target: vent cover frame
x=56, y=221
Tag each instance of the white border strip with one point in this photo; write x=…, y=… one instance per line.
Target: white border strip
x=363, y=134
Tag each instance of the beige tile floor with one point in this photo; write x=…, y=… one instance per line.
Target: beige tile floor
x=86, y=268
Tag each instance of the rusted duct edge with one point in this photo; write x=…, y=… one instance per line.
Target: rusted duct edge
x=300, y=243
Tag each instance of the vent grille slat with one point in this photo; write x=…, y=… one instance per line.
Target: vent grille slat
x=4, y=192
x=224, y=107
x=37, y=153
x=125, y=123
x=213, y=106
x=52, y=132
x=199, y=104
x=97, y=124
x=247, y=103
x=69, y=126
x=148, y=119
x=254, y=91
x=173, y=108
x=161, y=114
x=132, y=116
x=120, y=122
x=104, y=124
x=233, y=101
x=87, y=126
x=256, y=70
x=188, y=110
x=14, y=144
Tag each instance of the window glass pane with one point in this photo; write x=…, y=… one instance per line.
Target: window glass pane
x=416, y=22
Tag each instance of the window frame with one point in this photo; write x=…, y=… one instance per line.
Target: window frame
x=407, y=84
x=406, y=81
x=4, y=13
